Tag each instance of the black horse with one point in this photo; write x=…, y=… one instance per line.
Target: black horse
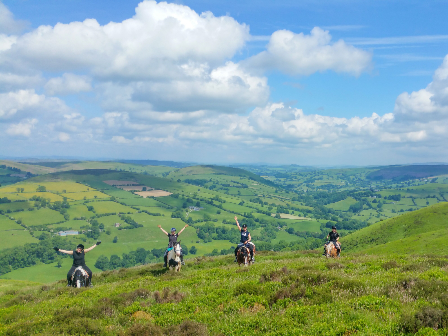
x=80, y=278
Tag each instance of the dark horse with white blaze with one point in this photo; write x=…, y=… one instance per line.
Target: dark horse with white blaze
x=243, y=256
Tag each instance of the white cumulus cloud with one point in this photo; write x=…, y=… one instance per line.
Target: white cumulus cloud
x=68, y=84
x=8, y=25
x=22, y=128
x=300, y=54
x=152, y=44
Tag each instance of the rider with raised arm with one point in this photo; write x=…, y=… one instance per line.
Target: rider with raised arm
x=245, y=240
x=172, y=238
x=78, y=260
x=333, y=237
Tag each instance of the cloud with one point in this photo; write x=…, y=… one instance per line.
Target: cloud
x=23, y=128
x=8, y=25
x=227, y=88
x=10, y=81
x=120, y=139
x=64, y=137
x=299, y=54
x=152, y=44
x=428, y=103
x=25, y=103
x=68, y=84
x=418, y=39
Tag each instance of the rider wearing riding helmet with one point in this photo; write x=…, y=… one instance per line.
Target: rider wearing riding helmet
x=245, y=240
x=333, y=237
x=172, y=238
x=78, y=260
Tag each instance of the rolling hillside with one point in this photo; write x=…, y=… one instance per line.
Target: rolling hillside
x=282, y=294
x=419, y=232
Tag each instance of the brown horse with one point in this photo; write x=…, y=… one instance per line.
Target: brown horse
x=243, y=256
x=331, y=251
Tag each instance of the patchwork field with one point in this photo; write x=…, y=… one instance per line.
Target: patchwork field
x=153, y=193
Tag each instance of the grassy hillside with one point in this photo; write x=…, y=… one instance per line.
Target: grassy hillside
x=416, y=232
x=282, y=294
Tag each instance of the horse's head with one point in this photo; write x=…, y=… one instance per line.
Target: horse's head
x=80, y=277
x=177, y=248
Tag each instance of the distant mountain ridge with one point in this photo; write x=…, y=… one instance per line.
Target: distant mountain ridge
x=408, y=172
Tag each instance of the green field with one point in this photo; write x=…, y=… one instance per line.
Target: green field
x=8, y=224
x=79, y=210
x=343, y=205
x=39, y=217
x=85, y=195
x=108, y=207
x=14, y=206
x=13, y=238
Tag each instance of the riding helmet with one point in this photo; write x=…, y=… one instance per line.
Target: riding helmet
x=333, y=227
x=80, y=246
x=244, y=226
x=173, y=229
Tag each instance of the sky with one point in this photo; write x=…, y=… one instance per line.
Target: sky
x=322, y=82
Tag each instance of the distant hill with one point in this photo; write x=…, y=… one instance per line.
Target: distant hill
x=408, y=172
x=221, y=170
x=157, y=163
x=421, y=232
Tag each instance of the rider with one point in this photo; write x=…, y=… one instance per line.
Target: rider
x=245, y=240
x=172, y=239
x=78, y=260
x=333, y=237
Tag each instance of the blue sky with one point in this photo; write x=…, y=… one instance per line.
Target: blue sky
x=303, y=82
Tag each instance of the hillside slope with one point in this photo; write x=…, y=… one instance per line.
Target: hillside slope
x=403, y=233
x=282, y=294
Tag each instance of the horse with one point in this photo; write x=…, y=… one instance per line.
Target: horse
x=243, y=256
x=331, y=251
x=80, y=278
x=173, y=257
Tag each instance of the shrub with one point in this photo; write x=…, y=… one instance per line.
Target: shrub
x=294, y=292
x=274, y=275
x=188, y=328
x=144, y=330
x=334, y=265
x=166, y=296
x=426, y=317
x=246, y=288
x=389, y=265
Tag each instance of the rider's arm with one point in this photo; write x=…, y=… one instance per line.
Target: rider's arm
x=65, y=251
x=182, y=229
x=90, y=248
x=237, y=224
x=162, y=230
x=249, y=238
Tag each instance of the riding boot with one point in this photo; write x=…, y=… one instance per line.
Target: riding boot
x=252, y=256
x=182, y=259
x=165, y=259
x=69, y=283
